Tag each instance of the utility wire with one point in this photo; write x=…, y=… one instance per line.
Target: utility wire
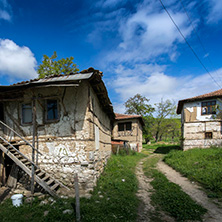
x=199, y=39
x=189, y=44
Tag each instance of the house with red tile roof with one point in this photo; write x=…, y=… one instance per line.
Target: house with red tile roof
x=199, y=125
x=129, y=128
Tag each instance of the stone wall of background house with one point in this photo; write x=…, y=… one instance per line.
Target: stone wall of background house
x=194, y=134
x=79, y=143
x=134, y=136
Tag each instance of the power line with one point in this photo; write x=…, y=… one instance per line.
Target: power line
x=199, y=39
x=189, y=44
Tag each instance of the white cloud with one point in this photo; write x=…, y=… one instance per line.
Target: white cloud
x=17, y=62
x=5, y=10
x=156, y=84
x=4, y=15
x=149, y=33
x=215, y=8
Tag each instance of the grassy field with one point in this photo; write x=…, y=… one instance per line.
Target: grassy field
x=161, y=148
x=169, y=196
x=113, y=199
x=201, y=165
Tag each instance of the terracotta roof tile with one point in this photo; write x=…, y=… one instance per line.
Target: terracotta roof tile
x=214, y=94
x=119, y=116
x=126, y=116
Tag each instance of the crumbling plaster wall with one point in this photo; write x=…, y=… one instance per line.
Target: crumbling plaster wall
x=195, y=107
x=69, y=145
x=195, y=126
x=134, y=136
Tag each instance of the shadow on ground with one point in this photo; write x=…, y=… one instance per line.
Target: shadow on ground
x=166, y=149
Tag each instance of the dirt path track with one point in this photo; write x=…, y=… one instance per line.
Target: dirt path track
x=146, y=210
x=193, y=190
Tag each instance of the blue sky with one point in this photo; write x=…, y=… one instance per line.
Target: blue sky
x=133, y=42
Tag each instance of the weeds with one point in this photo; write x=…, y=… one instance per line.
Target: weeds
x=113, y=199
x=201, y=165
x=170, y=196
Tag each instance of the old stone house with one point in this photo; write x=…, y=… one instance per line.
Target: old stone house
x=199, y=125
x=66, y=121
x=129, y=128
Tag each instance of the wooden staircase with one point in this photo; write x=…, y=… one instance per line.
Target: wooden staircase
x=46, y=181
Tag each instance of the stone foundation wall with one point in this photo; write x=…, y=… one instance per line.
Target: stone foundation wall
x=194, y=134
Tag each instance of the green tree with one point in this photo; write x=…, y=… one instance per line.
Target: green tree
x=51, y=66
x=164, y=110
x=139, y=105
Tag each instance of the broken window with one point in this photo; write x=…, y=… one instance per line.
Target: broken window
x=208, y=135
x=208, y=107
x=124, y=126
x=26, y=113
x=52, y=110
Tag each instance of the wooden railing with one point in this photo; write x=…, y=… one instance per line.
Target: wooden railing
x=22, y=138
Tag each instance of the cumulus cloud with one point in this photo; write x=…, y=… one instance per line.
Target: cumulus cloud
x=149, y=33
x=17, y=62
x=5, y=10
x=155, y=84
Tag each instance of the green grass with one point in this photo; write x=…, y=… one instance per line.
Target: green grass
x=35, y=212
x=113, y=199
x=201, y=165
x=118, y=186
x=160, y=148
x=169, y=196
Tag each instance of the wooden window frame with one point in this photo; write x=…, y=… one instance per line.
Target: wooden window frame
x=209, y=106
x=46, y=120
x=125, y=126
x=208, y=135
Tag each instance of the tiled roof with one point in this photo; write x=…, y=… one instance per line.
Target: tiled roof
x=84, y=74
x=126, y=116
x=211, y=95
x=92, y=75
x=119, y=116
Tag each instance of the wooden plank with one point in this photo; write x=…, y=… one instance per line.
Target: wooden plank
x=45, y=178
x=76, y=181
x=13, y=176
x=49, y=182
x=33, y=142
x=41, y=174
x=28, y=171
x=4, y=191
x=55, y=186
x=2, y=169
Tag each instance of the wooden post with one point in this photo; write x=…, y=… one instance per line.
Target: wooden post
x=2, y=168
x=76, y=181
x=13, y=176
x=33, y=143
x=37, y=146
x=117, y=152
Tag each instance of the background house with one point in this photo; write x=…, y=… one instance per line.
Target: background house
x=200, y=128
x=70, y=117
x=129, y=128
